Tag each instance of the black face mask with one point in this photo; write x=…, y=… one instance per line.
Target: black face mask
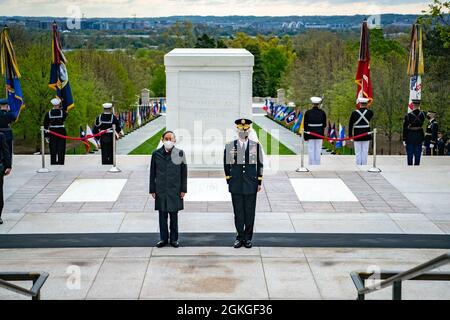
x=243, y=135
x=428, y=117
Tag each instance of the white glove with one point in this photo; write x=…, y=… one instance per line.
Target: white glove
x=47, y=140
x=404, y=143
x=432, y=146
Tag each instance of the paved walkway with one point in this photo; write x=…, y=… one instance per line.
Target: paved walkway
x=216, y=273
x=401, y=203
x=400, y=200
x=139, y=136
x=282, y=134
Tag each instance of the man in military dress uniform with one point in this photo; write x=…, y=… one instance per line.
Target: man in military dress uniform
x=5, y=167
x=243, y=165
x=413, y=135
x=315, y=121
x=431, y=134
x=54, y=121
x=6, y=119
x=359, y=124
x=105, y=121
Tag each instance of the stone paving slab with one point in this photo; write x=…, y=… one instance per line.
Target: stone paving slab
x=217, y=273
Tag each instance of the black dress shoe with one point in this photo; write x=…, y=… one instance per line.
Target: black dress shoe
x=1, y=221
x=248, y=244
x=237, y=244
x=161, y=244
x=175, y=244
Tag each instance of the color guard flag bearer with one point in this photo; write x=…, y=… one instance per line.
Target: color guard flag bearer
x=12, y=104
x=59, y=78
x=10, y=70
x=359, y=123
x=315, y=121
x=415, y=66
x=363, y=79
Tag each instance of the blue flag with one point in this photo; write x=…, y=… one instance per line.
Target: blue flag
x=10, y=70
x=340, y=144
x=59, y=78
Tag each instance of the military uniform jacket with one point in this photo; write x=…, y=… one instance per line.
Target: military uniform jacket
x=168, y=177
x=431, y=133
x=54, y=119
x=360, y=123
x=315, y=121
x=6, y=118
x=5, y=156
x=105, y=121
x=243, y=168
x=413, y=127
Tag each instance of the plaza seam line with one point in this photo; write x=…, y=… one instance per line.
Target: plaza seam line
x=313, y=276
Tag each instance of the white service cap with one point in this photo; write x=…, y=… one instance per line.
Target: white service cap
x=363, y=100
x=291, y=104
x=107, y=105
x=55, y=101
x=316, y=100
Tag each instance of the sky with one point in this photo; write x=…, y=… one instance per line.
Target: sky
x=162, y=8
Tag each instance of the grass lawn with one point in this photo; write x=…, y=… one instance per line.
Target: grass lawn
x=148, y=146
x=267, y=141
x=151, y=144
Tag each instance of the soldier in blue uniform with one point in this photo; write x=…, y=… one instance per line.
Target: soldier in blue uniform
x=54, y=121
x=6, y=119
x=431, y=134
x=243, y=165
x=413, y=135
x=5, y=167
x=105, y=121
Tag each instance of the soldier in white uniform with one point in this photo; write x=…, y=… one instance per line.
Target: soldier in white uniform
x=316, y=122
x=359, y=124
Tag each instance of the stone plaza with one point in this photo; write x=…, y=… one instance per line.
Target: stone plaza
x=81, y=219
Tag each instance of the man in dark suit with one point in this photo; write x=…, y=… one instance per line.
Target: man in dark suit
x=359, y=124
x=413, y=135
x=5, y=168
x=168, y=186
x=243, y=165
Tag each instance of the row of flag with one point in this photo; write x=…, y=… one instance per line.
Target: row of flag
x=292, y=118
x=415, y=70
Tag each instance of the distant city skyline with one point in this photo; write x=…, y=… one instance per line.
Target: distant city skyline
x=164, y=8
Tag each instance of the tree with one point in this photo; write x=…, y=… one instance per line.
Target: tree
x=205, y=42
x=158, y=83
x=259, y=72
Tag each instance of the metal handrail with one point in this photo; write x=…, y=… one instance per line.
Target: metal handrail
x=38, y=279
x=395, y=279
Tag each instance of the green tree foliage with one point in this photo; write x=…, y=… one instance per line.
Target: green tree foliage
x=272, y=60
x=158, y=83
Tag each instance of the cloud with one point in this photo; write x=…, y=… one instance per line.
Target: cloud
x=155, y=8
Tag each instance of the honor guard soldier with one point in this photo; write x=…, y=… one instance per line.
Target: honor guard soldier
x=54, y=121
x=359, y=124
x=6, y=119
x=315, y=121
x=5, y=168
x=243, y=165
x=105, y=121
x=413, y=135
x=431, y=134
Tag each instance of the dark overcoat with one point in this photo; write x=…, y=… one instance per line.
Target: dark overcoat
x=168, y=177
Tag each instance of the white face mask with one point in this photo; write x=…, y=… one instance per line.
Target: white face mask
x=168, y=144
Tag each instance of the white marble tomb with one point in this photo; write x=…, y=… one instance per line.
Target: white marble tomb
x=207, y=90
